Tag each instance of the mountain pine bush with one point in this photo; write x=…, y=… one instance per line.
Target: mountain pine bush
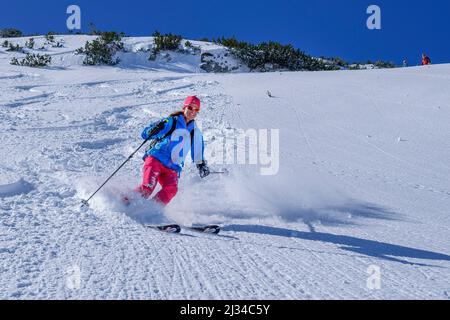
x=10, y=33
x=101, y=51
x=33, y=60
x=272, y=55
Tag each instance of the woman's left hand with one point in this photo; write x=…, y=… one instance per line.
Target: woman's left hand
x=203, y=169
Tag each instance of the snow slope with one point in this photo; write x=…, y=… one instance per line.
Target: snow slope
x=363, y=184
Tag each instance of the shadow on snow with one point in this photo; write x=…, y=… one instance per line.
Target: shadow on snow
x=371, y=248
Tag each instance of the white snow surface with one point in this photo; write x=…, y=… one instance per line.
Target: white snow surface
x=363, y=184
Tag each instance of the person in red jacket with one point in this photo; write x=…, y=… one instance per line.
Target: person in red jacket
x=425, y=60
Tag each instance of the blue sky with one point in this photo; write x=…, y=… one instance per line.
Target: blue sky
x=318, y=27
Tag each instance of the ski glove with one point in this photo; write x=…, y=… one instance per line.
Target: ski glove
x=157, y=128
x=203, y=169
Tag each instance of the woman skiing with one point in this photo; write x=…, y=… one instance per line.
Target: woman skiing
x=174, y=137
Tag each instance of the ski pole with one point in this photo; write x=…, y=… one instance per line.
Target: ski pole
x=155, y=130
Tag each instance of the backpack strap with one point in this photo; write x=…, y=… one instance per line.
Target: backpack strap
x=172, y=129
x=155, y=141
x=168, y=134
x=174, y=126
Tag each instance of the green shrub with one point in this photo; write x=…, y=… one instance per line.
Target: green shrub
x=190, y=48
x=152, y=56
x=30, y=43
x=232, y=43
x=101, y=50
x=10, y=33
x=14, y=61
x=14, y=48
x=33, y=60
x=272, y=55
x=112, y=37
x=384, y=64
x=355, y=66
x=339, y=62
x=166, y=41
x=50, y=37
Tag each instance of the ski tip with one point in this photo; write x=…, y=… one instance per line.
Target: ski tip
x=211, y=229
x=170, y=228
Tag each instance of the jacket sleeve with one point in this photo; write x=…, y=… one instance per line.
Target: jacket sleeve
x=197, y=147
x=168, y=122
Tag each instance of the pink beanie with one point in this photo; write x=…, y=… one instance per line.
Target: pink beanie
x=191, y=100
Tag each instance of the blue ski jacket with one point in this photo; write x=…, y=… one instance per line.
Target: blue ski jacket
x=172, y=150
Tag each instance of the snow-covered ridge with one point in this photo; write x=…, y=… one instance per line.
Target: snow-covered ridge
x=209, y=58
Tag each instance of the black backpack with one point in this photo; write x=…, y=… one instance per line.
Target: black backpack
x=168, y=134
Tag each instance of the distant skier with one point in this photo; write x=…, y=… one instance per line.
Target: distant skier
x=164, y=162
x=405, y=63
x=425, y=59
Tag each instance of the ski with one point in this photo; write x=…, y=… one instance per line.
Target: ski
x=175, y=228
x=169, y=228
x=211, y=229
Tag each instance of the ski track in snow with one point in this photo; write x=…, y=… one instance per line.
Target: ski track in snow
x=65, y=131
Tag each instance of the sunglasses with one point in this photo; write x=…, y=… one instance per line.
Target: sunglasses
x=195, y=108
